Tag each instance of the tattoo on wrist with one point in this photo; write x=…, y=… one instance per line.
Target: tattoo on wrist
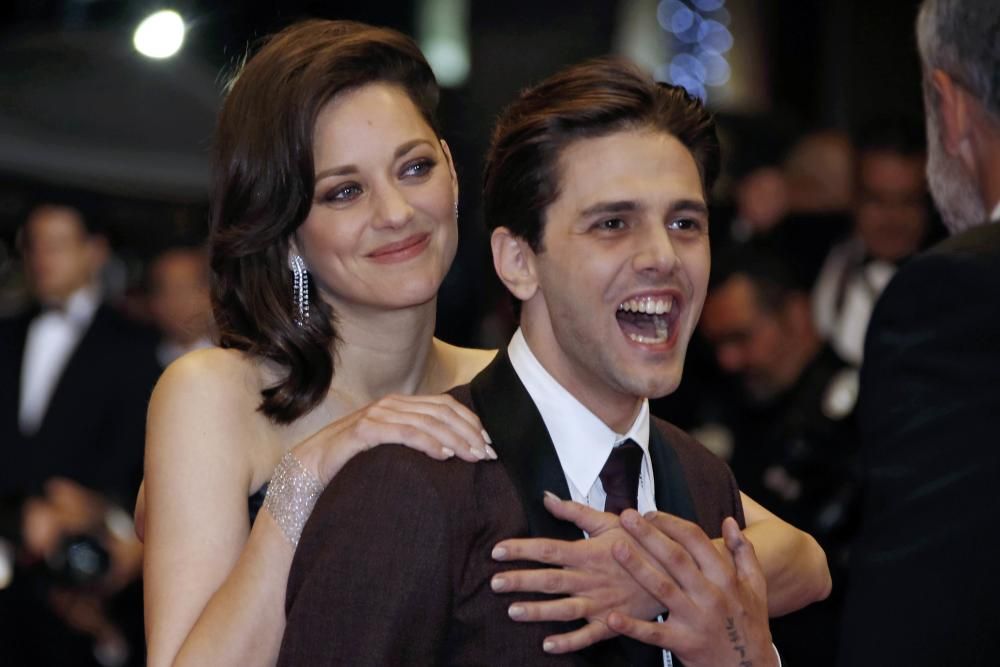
x=737, y=643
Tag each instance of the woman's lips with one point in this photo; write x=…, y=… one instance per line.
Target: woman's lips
x=400, y=251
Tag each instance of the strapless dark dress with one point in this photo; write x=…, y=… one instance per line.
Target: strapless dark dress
x=256, y=501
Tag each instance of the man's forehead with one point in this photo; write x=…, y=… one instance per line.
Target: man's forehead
x=54, y=218
x=629, y=164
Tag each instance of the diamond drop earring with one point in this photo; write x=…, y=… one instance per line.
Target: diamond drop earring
x=300, y=289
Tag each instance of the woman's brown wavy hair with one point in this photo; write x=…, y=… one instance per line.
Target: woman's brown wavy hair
x=263, y=187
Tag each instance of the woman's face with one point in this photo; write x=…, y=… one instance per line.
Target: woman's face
x=382, y=229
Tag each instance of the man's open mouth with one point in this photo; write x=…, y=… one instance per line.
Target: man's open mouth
x=647, y=320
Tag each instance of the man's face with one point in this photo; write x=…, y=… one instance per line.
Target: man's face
x=891, y=211
x=748, y=341
x=623, y=270
x=60, y=256
x=179, y=299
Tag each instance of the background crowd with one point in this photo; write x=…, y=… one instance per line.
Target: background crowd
x=103, y=272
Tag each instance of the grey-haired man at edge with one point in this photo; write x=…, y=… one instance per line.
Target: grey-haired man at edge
x=925, y=585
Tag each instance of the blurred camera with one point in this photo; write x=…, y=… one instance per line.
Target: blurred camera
x=78, y=562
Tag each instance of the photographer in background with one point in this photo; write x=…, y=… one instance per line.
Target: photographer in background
x=74, y=381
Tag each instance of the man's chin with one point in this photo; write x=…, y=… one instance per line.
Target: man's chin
x=654, y=385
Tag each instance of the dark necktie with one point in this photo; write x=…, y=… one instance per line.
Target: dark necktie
x=620, y=477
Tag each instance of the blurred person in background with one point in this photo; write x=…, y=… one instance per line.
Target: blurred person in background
x=179, y=302
x=891, y=223
x=791, y=426
x=75, y=380
x=819, y=172
x=819, y=188
x=756, y=147
x=924, y=576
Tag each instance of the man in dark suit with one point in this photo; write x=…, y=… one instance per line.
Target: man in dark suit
x=924, y=580
x=595, y=192
x=74, y=381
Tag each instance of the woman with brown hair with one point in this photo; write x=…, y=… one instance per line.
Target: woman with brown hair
x=333, y=225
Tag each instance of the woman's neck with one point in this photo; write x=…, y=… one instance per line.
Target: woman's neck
x=381, y=352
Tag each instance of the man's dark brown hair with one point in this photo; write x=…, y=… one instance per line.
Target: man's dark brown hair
x=593, y=99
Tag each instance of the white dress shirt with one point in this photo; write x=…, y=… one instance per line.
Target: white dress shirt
x=51, y=339
x=995, y=215
x=844, y=296
x=583, y=442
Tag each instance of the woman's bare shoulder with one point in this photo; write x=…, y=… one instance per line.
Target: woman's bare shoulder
x=210, y=393
x=222, y=373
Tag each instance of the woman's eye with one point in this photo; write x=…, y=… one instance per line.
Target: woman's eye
x=345, y=192
x=418, y=167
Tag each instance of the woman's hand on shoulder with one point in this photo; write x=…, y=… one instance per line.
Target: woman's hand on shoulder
x=438, y=426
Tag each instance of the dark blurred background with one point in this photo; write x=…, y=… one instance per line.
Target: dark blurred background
x=80, y=107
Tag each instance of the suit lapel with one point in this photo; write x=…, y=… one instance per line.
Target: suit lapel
x=81, y=370
x=523, y=445
x=525, y=449
x=672, y=493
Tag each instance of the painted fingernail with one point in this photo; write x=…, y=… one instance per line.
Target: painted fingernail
x=548, y=646
x=479, y=453
x=498, y=583
x=448, y=453
x=491, y=452
x=515, y=611
x=499, y=553
x=486, y=437
x=552, y=496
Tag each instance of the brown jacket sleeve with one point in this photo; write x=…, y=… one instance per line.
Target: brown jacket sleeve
x=370, y=582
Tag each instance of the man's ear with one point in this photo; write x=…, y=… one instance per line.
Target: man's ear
x=952, y=112
x=514, y=261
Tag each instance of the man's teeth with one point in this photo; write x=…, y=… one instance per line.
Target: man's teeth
x=648, y=305
x=662, y=333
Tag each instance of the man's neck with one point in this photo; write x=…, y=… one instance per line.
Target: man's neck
x=617, y=410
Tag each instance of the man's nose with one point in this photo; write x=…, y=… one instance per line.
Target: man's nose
x=655, y=252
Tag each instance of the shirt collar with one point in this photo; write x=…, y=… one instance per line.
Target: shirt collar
x=995, y=215
x=582, y=441
x=79, y=308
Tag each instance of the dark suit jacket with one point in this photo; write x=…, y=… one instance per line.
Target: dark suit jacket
x=94, y=428
x=925, y=582
x=394, y=566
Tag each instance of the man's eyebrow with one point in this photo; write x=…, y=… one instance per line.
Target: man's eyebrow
x=627, y=206
x=621, y=206
x=345, y=169
x=689, y=205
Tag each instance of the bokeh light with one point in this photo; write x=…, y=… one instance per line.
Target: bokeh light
x=160, y=35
